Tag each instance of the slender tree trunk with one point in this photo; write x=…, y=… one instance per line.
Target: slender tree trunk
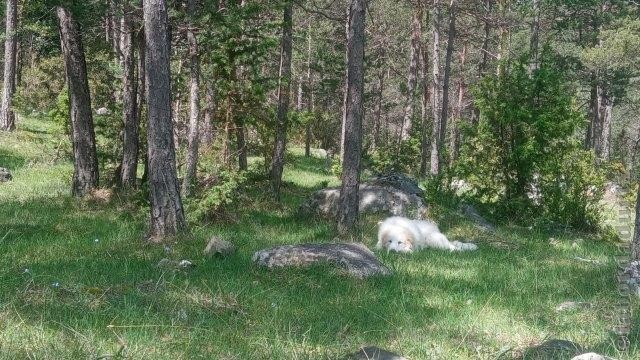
x=482, y=65
x=451, y=34
x=7, y=117
x=142, y=96
x=349, y=199
x=344, y=92
x=457, y=116
x=85, y=164
x=194, y=105
x=435, y=90
x=238, y=120
x=226, y=152
x=535, y=37
x=129, y=165
x=308, y=134
x=377, y=112
x=284, y=85
x=424, y=131
x=635, y=245
x=416, y=34
x=167, y=214
x=606, y=107
x=502, y=36
x=593, y=115
x=207, y=126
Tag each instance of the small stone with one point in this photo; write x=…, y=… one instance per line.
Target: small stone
x=5, y=175
x=219, y=246
x=571, y=305
x=103, y=111
x=590, y=356
x=165, y=263
x=186, y=264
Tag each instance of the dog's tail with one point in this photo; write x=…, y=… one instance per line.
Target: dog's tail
x=461, y=246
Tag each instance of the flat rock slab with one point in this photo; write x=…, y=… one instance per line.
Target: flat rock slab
x=355, y=258
x=374, y=353
x=5, y=175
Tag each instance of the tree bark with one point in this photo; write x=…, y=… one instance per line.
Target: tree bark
x=167, y=214
x=377, y=112
x=284, y=85
x=348, y=201
x=457, y=116
x=209, y=109
x=416, y=34
x=308, y=134
x=424, y=131
x=635, y=245
x=129, y=165
x=85, y=164
x=194, y=104
x=7, y=117
x=238, y=120
x=606, y=108
x=535, y=37
x=593, y=115
x=451, y=34
x=482, y=65
x=435, y=89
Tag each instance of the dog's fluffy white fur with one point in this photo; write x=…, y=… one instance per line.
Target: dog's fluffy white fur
x=405, y=235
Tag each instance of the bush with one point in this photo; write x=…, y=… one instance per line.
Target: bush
x=523, y=156
x=216, y=193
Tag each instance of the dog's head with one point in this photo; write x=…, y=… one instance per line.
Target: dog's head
x=398, y=241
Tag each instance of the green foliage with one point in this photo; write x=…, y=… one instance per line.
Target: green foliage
x=59, y=113
x=523, y=156
x=218, y=192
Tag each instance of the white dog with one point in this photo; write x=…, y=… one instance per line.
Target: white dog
x=405, y=235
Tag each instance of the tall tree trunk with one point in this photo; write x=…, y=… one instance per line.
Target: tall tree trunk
x=606, y=107
x=451, y=34
x=344, y=92
x=349, y=199
x=129, y=165
x=377, y=112
x=457, y=116
x=503, y=34
x=593, y=115
x=308, y=134
x=416, y=34
x=238, y=120
x=85, y=164
x=142, y=96
x=167, y=214
x=194, y=104
x=207, y=123
x=482, y=65
x=424, y=130
x=535, y=37
x=435, y=89
x=284, y=85
x=7, y=117
x=635, y=245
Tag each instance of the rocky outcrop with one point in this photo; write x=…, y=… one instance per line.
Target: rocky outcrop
x=394, y=194
x=5, y=175
x=355, y=258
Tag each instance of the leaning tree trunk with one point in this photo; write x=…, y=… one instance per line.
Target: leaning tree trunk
x=348, y=202
x=277, y=163
x=635, y=245
x=7, y=117
x=435, y=89
x=194, y=105
x=416, y=34
x=129, y=165
x=85, y=164
x=167, y=215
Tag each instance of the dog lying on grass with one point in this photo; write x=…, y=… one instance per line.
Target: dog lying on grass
x=405, y=235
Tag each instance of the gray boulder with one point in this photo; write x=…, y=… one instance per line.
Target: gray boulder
x=217, y=246
x=471, y=212
x=590, y=356
x=399, y=181
x=355, y=258
x=5, y=175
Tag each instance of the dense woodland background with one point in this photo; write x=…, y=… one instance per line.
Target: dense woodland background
x=185, y=109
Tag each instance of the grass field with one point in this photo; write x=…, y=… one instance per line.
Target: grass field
x=78, y=281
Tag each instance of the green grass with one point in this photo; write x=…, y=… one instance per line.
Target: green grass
x=111, y=296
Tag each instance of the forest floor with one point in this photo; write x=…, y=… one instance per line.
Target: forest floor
x=78, y=281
